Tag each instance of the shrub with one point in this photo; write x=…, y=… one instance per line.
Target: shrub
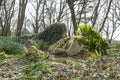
x=39, y=66
x=42, y=45
x=53, y=33
x=19, y=39
x=94, y=40
x=2, y=55
x=11, y=47
x=22, y=39
x=34, y=54
x=35, y=71
x=95, y=57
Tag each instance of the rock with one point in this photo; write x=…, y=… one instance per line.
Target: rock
x=69, y=46
x=57, y=47
x=35, y=49
x=74, y=47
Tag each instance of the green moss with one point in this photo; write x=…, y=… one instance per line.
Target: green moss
x=66, y=39
x=53, y=33
x=80, y=39
x=2, y=55
x=58, y=46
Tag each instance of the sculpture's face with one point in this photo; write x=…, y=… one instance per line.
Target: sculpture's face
x=64, y=34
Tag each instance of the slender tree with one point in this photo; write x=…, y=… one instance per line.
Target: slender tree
x=106, y=15
x=21, y=16
x=113, y=22
x=1, y=2
x=61, y=9
x=80, y=11
x=6, y=19
x=95, y=13
x=71, y=7
x=36, y=23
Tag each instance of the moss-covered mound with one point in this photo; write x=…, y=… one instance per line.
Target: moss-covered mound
x=53, y=33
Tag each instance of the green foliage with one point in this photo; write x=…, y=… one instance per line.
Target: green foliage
x=79, y=78
x=11, y=47
x=87, y=30
x=80, y=39
x=62, y=78
x=19, y=39
x=42, y=45
x=2, y=55
x=94, y=40
x=32, y=56
x=34, y=71
x=22, y=39
x=114, y=49
x=31, y=76
x=53, y=33
x=39, y=66
x=94, y=57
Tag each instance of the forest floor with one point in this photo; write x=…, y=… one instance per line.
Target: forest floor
x=94, y=67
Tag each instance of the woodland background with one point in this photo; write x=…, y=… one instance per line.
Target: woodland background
x=18, y=17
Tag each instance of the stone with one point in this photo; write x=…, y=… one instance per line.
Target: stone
x=69, y=46
x=33, y=49
x=74, y=48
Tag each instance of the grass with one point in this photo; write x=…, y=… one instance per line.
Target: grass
x=34, y=66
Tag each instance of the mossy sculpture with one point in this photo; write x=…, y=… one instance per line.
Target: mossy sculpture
x=69, y=46
x=53, y=33
x=86, y=38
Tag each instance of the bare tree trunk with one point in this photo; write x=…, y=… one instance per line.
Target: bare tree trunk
x=21, y=16
x=8, y=17
x=71, y=7
x=106, y=16
x=2, y=27
x=43, y=15
x=62, y=7
x=95, y=13
x=37, y=19
x=1, y=2
x=114, y=21
x=81, y=11
x=112, y=24
x=39, y=16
